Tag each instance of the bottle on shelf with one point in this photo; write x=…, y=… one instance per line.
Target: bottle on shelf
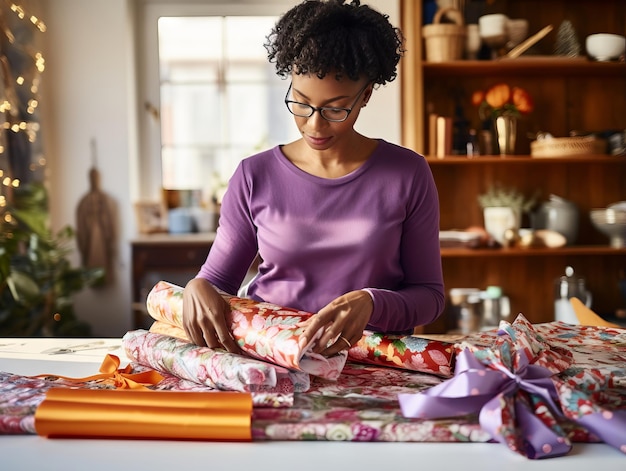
x=566, y=287
x=471, y=147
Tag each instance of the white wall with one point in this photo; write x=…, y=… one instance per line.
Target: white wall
x=90, y=92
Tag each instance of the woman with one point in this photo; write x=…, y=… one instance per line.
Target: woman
x=346, y=226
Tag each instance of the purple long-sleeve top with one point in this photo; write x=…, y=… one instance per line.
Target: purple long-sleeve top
x=376, y=228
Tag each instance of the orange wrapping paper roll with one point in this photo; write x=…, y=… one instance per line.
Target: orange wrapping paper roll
x=105, y=413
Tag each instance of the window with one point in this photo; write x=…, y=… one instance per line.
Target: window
x=220, y=99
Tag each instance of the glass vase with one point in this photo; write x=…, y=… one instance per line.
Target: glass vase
x=506, y=132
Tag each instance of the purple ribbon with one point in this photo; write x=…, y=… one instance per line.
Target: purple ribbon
x=478, y=389
x=610, y=427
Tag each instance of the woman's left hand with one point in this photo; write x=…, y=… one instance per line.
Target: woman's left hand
x=342, y=321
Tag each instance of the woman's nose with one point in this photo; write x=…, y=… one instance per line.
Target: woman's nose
x=316, y=120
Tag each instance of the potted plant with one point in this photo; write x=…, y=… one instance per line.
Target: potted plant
x=503, y=208
x=37, y=281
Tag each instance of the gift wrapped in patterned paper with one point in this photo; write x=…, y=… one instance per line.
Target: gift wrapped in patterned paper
x=525, y=388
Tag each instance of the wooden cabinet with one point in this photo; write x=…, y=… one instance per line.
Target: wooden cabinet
x=167, y=257
x=569, y=94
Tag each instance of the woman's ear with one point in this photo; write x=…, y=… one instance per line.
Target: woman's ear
x=367, y=94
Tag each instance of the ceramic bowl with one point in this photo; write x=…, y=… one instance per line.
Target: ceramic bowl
x=612, y=223
x=605, y=46
x=620, y=206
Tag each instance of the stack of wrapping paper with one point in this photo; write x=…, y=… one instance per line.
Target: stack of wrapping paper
x=534, y=388
x=270, y=333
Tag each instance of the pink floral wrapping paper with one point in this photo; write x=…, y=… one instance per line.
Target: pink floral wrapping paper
x=215, y=369
x=263, y=330
x=270, y=333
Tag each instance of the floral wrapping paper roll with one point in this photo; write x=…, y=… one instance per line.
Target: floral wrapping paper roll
x=270, y=333
x=216, y=369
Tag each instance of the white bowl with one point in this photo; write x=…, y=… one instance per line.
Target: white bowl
x=612, y=223
x=620, y=206
x=605, y=46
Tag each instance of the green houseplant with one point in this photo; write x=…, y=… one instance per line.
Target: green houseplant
x=503, y=208
x=37, y=281
x=498, y=195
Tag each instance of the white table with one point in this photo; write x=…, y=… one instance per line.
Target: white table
x=30, y=452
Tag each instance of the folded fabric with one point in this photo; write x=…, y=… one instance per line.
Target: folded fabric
x=216, y=369
x=270, y=332
x=98, y=413
x=518, y=387
x=262, y=330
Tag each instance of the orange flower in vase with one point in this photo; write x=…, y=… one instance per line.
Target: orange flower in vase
x=502, y=99
x=503, y=105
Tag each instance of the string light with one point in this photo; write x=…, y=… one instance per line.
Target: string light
x=10, y=97
x=21, y=14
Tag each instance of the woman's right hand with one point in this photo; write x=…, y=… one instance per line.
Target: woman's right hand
x=204, y=316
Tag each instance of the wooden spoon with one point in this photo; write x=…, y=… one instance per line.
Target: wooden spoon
x=522, y=47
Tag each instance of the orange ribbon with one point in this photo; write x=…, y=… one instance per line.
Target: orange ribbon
x=144, y=414
x=121, y=379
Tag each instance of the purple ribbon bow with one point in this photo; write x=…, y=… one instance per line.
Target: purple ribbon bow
x=491, y=392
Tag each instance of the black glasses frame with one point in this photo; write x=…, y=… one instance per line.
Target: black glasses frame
x=322, y=109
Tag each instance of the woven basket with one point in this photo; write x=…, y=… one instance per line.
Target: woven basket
x=567, y=146
x=445, y=42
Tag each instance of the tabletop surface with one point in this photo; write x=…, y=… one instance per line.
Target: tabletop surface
x=27, y=452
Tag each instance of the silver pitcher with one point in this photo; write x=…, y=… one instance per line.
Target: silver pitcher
x=559, y=215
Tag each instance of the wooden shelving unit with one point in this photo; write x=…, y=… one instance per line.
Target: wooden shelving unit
x=569, y=94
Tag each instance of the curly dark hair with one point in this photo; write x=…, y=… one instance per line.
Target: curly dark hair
x=347, y=39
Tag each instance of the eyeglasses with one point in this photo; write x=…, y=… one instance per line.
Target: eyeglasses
x=329, y=113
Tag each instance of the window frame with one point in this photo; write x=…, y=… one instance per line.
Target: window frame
x=148, y=77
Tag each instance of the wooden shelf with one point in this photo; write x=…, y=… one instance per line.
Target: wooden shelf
x=525, y=159
x=569, y=94
x=582, y=250
x=525, y=66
